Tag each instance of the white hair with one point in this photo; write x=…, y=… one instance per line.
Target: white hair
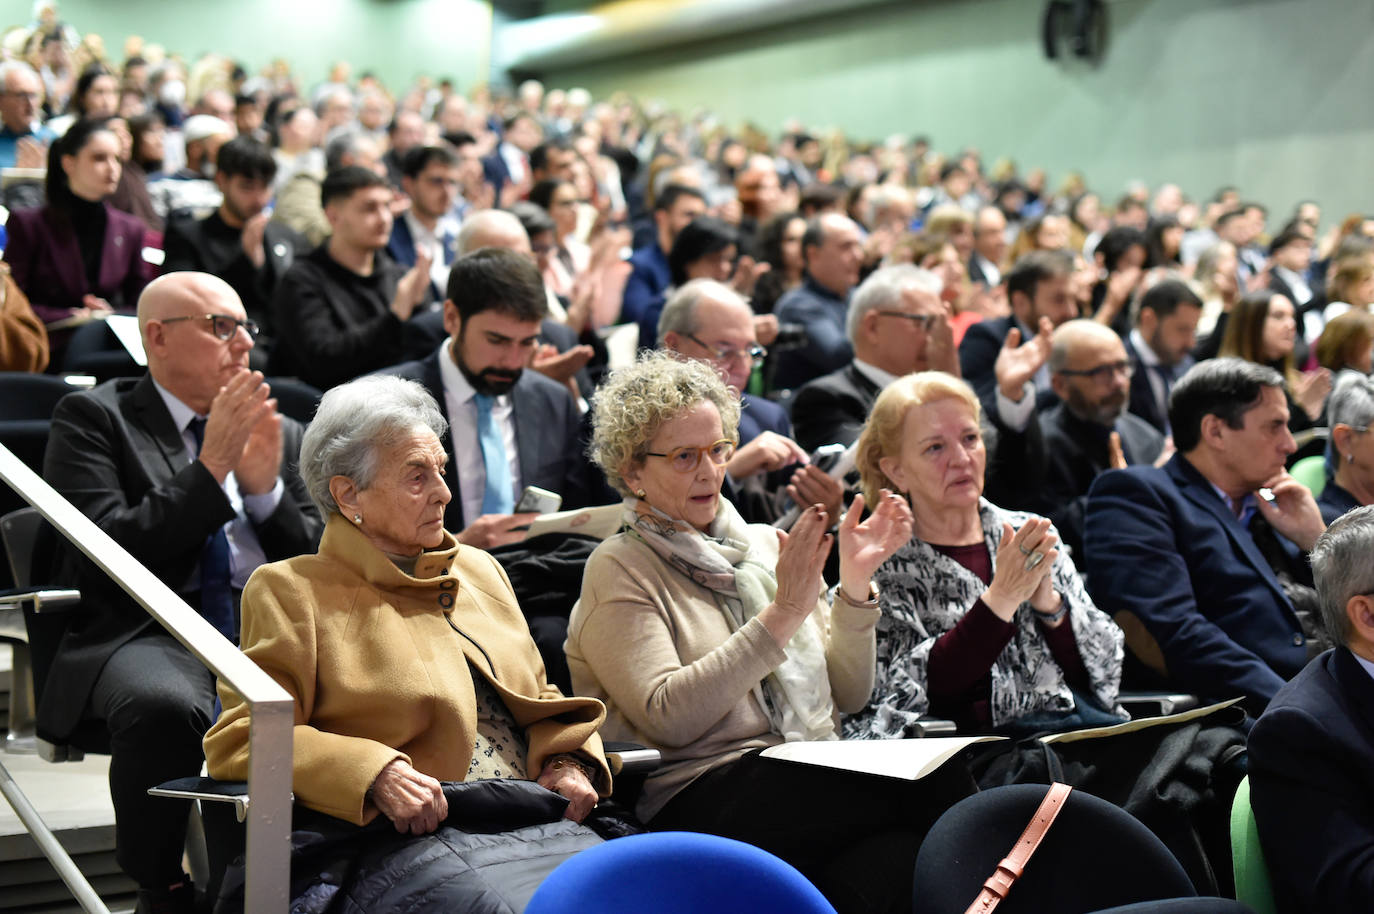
x=354, y=423
x=884, y=288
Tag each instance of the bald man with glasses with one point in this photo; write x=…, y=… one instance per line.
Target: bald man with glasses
x=192, y=470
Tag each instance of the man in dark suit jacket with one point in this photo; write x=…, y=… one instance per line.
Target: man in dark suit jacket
x=493, y=312
x=1198, y=567
x=1089, y=430
x=1159, y=347
x=1038, y=291
x=989, y=247
x=898, y=325
x=430, y=178
x=510, y=162
x=238, y=242
x=190, y=469
x=833, y=255
x=1312, y=751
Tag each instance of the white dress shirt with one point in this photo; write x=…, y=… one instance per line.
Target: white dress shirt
x=245, y=552
x=467, y=451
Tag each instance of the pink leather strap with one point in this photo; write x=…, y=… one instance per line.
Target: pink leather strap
x=1014, y=864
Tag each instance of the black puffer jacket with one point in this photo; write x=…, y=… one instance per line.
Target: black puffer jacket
x=501, y=838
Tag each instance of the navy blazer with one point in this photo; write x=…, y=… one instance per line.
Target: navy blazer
x=546, y=434
x=978, y=359
x=1161, y=545
x=1311, y=755
x=1143, y=402
x=45, y=259
x=827, y=348
x=117, y=455
x=401, y=248
x=758, y=415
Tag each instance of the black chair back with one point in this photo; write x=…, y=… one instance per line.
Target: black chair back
x=1095, y=856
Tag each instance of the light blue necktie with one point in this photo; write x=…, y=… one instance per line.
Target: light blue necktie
x=498, y=497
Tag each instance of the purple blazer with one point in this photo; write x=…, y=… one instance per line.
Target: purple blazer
x=46, y=262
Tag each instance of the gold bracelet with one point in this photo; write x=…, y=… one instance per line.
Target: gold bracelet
x=564, y=760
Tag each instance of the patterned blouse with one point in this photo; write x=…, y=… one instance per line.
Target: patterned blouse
x=925, y=593
x=500, y=748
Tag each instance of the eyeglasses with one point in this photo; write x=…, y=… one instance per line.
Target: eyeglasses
x=754, y=353
x=687, y=459
x=222, y=325
x=1102, y=374
x=922, y=321
x=32, y=97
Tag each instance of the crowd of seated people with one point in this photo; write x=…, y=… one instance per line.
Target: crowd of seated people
x=1023, y=450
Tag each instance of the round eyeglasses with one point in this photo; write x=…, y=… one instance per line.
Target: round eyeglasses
x=687, y=459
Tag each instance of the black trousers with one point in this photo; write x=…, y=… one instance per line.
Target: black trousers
x=854, y=835
x=157, y=700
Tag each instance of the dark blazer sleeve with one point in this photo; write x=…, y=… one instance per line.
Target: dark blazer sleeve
x=547, y=425
x=93, y=462
x=827, y=348
x=640, y=296
x=1133, y=563
x=978, y=354
x=294, y=528
x=28, y=250
x=1310, y=767
x=828, y=411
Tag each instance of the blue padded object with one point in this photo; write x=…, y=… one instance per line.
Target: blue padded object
x=1095, y=856
x=676, y=873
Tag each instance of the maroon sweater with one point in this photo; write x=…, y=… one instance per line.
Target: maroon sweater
x=959, y=673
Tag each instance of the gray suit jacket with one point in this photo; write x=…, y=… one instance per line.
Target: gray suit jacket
x=546, y=434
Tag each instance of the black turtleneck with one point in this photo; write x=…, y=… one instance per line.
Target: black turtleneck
x=88, y=223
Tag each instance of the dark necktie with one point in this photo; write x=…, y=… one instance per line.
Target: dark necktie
x=216, y=594
x=1166, y=377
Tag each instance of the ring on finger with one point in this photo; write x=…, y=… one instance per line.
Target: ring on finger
x=1024, y=550
x=1035, y=558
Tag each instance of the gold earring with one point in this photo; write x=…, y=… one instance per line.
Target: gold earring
x=640, y=493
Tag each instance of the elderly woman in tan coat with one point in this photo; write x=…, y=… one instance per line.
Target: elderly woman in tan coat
x=406, y=653
x=712, y=639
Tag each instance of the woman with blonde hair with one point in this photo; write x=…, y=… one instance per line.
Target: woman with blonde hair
x=985, y=620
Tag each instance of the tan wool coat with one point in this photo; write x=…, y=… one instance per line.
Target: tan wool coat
x=378, y=663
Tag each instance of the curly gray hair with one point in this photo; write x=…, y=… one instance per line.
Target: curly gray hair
x=632, y=405
x=354, y=423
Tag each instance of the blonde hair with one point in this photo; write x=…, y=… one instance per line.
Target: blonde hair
x=882, y=434
x=635, y=401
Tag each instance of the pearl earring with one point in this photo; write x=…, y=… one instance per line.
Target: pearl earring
x=641, y=493
x=357, y=518
x=1349, y=458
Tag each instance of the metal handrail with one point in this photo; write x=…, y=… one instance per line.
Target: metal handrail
x=271, y=709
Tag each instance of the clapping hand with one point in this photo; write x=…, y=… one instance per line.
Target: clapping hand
x=864, y=546
x=1016, y=363
x=1024, y=559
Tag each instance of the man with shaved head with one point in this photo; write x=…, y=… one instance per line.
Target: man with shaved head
x=192, y=470
x=1089, y=430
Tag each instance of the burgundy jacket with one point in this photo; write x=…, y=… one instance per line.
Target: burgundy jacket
x=46, y=262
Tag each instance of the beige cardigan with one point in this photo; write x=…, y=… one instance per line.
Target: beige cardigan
x=379, y=673
x=657, y=649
